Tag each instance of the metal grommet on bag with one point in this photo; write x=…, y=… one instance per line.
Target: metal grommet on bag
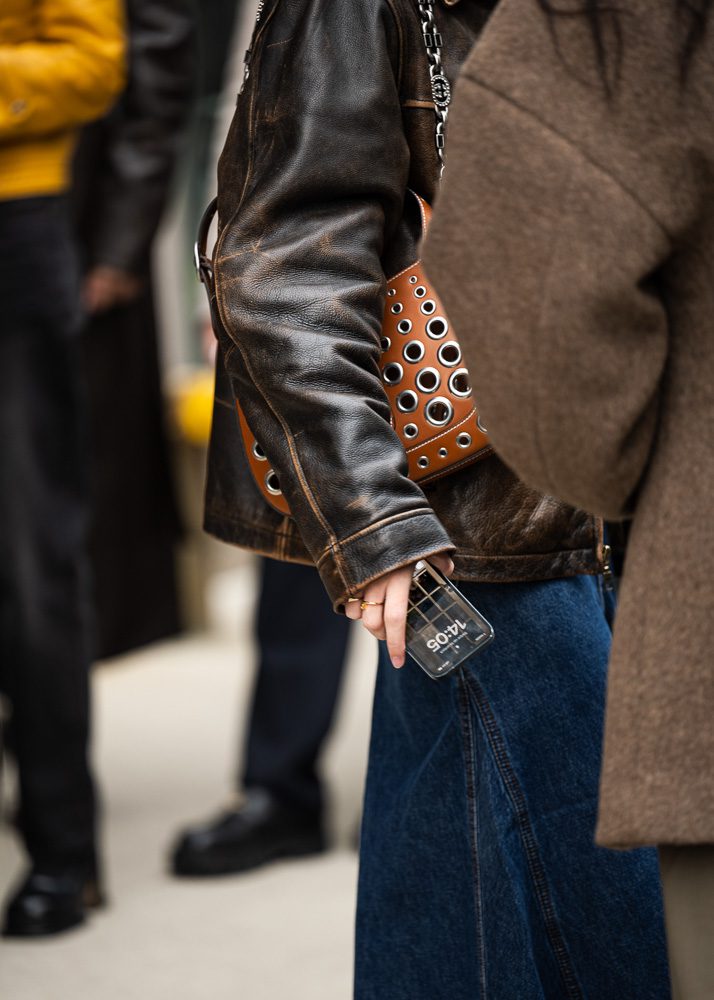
x=428, y=380
x=449, y=354
x=413, y=351
x=439, y=411
x=411, y=431
x=437, y=327
x=259, y=453
x=407, y=401
x=272, y=484
x=459, y=383
x=392, y=373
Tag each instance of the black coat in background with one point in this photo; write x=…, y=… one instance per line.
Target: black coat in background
x=123, y=170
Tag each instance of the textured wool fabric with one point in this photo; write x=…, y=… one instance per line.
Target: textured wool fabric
x=573, y=244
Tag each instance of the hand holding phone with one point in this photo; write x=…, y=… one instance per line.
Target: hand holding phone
x=443, y=628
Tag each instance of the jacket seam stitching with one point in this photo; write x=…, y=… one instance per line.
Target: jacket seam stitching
x=398, y=26
x=297, y=466
x=467, y=732
x=527, y=555
x=393, y=519
x=524, y=825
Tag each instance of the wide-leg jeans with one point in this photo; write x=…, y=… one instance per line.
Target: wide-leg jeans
x=479, y=876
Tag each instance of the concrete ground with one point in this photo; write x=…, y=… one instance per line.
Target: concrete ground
x=167, y=724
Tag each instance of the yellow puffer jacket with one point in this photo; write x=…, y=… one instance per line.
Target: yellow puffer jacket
x=61, y=65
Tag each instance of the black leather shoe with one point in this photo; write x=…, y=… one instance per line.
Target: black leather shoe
x=261, y=830
x=49, y=904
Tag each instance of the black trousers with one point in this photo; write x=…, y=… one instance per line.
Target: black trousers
x=44, y=603
x=302, y=653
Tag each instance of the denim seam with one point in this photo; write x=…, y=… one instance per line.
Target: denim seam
x=470, y=758
x=535, y=865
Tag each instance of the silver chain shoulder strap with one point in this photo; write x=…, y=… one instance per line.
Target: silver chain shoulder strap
x=440, y=86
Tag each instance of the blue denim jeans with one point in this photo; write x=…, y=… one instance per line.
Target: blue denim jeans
x=479, y=877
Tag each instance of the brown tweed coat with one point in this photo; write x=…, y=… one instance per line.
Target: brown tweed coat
x=573, y=243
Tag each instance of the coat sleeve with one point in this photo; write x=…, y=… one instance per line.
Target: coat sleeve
x=141, y=138
x=68, y=73
x=549, y=268
x=301, y=289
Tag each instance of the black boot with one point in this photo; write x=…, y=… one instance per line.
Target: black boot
x=47, y=904
x=261, y=830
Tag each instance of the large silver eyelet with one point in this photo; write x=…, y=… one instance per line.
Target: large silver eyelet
x=437, y=327
x=459, y=383
x=428, y=307
x=404, y=326
x=449, y=354
x=420, y=292
x=407, y=401
x=392, y=373
x=439, y=411
x=411, y=431
x=480, y=426
x=423, y=462
x=428, y=380
x=413, y=351
x=463, y=440
x=385, y=343
x=397, y=308
x=259, y=453
x=272, y=484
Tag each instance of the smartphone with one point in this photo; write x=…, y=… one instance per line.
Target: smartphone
x=443, y=628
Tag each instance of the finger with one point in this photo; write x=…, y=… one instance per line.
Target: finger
x=395, y=616
x=353, y=610
x=373, y=613
x=443, y=563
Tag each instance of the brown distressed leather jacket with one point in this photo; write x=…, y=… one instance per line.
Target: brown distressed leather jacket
x=334, y=123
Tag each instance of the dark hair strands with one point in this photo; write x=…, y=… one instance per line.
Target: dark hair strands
x=606, y=30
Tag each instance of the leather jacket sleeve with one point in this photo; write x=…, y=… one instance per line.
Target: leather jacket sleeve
x=305, y=216
x=141, y=138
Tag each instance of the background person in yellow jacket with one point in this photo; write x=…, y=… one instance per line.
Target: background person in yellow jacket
x=61, y=65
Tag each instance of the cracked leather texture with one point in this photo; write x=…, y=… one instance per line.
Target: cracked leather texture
x=333, y=125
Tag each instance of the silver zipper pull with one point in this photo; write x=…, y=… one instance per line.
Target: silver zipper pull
x=608, y=576
x=249, y=51
x=246, y=69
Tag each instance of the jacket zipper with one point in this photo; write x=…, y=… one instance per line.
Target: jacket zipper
x=608, y=576
x=249, y=51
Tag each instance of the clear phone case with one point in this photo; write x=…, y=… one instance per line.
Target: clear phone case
x=443, y=628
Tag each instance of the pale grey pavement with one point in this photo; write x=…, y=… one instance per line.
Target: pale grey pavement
x=167, y=723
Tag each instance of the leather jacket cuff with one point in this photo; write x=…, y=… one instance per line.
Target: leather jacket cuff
x=386, y=546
